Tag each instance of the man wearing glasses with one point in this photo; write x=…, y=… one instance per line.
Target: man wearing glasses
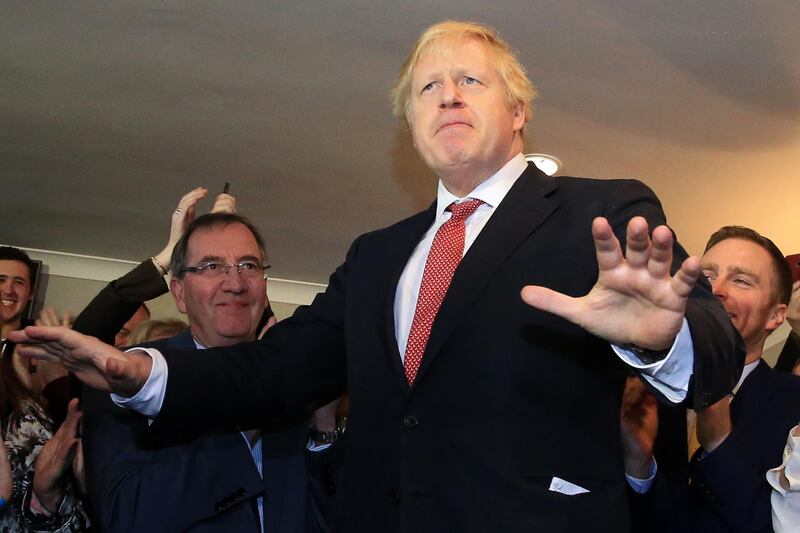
x=212, y=481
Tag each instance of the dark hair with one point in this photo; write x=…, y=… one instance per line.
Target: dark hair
x=9, y=253
x=207, y=222
x=782, y=284
x=13, y=392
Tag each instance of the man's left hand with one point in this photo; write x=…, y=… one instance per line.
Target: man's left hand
x=635, y=300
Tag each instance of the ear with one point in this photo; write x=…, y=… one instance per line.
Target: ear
x=776, y=317
x=519, y=115
x=176, y=288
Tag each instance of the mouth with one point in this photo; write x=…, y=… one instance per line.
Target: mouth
x=452, y=124
x=7, y=302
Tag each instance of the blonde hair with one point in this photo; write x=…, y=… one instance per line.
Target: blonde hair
x=153, y=330
x=518, y=87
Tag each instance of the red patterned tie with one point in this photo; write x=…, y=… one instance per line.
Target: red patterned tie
x=445, y=254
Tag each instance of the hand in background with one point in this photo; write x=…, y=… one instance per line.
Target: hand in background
x=635, y=300
x=49, y=317
x=182, y=216
x=54, y=460
x=638, y=427
x=714, y=424
x=224, y=203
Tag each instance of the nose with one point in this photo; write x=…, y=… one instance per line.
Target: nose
x=718, y=288
x=232, y=281
x=451, y=95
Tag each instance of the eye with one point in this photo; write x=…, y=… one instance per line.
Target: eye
x=468, y=80
x=710, y=276
x=211, y=266
x=248, y=266
x=742, y=282
x=428, y=87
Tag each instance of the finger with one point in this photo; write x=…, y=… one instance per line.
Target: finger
x=609, y=253
x=68, y=319
x=552, y=302
x=38, y=352
x=270, y=322
x=661, y=252
x=637, y=243
x=224, y=203
x=685, y=278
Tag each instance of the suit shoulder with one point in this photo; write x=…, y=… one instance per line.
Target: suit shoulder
x=603, y=186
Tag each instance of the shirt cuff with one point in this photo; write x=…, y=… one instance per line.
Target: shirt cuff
x=670, y=376
x=643, y=485
x=149, y=399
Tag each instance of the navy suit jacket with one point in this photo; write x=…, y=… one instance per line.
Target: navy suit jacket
x=729, y=490
x=201, y=483
x=506, y=397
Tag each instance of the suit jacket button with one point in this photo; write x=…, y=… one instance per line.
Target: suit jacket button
x=394, y=497
x=410, y=421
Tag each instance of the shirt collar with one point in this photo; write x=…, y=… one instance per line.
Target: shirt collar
x=490, y=191
x=748, y=368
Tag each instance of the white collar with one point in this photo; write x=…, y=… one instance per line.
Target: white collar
x=490, y=191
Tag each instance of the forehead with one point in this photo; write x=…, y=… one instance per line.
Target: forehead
x=460, y=51
x=14, y=269
x=230, y=241
x=740, y=253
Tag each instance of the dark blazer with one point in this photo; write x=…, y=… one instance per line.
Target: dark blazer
x=189, y=482
x=506, y=397
x=729, y=491
x=790, y=353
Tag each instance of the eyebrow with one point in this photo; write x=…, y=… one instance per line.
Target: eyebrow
x=218, y=259
x=735, y=269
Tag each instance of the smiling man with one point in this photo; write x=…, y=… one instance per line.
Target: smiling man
x=471, y=409
x=202, y=481
x=743, y=437
x=16, y=287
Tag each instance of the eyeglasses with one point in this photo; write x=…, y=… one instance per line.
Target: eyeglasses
x=215, y=269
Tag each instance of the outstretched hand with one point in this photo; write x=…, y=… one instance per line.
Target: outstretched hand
x=95, y=363
x=635, y=300
x=55, y=458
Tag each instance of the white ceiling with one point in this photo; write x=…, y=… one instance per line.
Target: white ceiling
x=109, y=111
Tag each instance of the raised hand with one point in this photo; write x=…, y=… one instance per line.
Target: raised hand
x=55, y=458
x=183, y=215
x=224, y=203
x=95, y=363
x=635, y=300
x=49, y=317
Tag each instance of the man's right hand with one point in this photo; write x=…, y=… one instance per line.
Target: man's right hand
x=95, y=363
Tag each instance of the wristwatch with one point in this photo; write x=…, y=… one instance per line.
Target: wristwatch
x=329, y=437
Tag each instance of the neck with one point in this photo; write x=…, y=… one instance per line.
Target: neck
x=461, y=180
x=754, y=353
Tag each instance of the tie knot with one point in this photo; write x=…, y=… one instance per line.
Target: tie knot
x=462, y=211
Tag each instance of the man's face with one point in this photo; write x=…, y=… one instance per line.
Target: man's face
x=742, y=277
x=460, y=119
x=15, y=290
x=121, y=339
x=222, y=310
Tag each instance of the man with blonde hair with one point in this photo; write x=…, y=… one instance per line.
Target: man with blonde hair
x=470, y=409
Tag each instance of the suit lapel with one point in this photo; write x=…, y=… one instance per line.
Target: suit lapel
x=754, y=393
x=403, y=246
x=526, y=206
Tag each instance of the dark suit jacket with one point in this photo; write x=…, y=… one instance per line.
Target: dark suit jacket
x=189, y=482
x=506, y=398
x=789, y=354
x=729, y=491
